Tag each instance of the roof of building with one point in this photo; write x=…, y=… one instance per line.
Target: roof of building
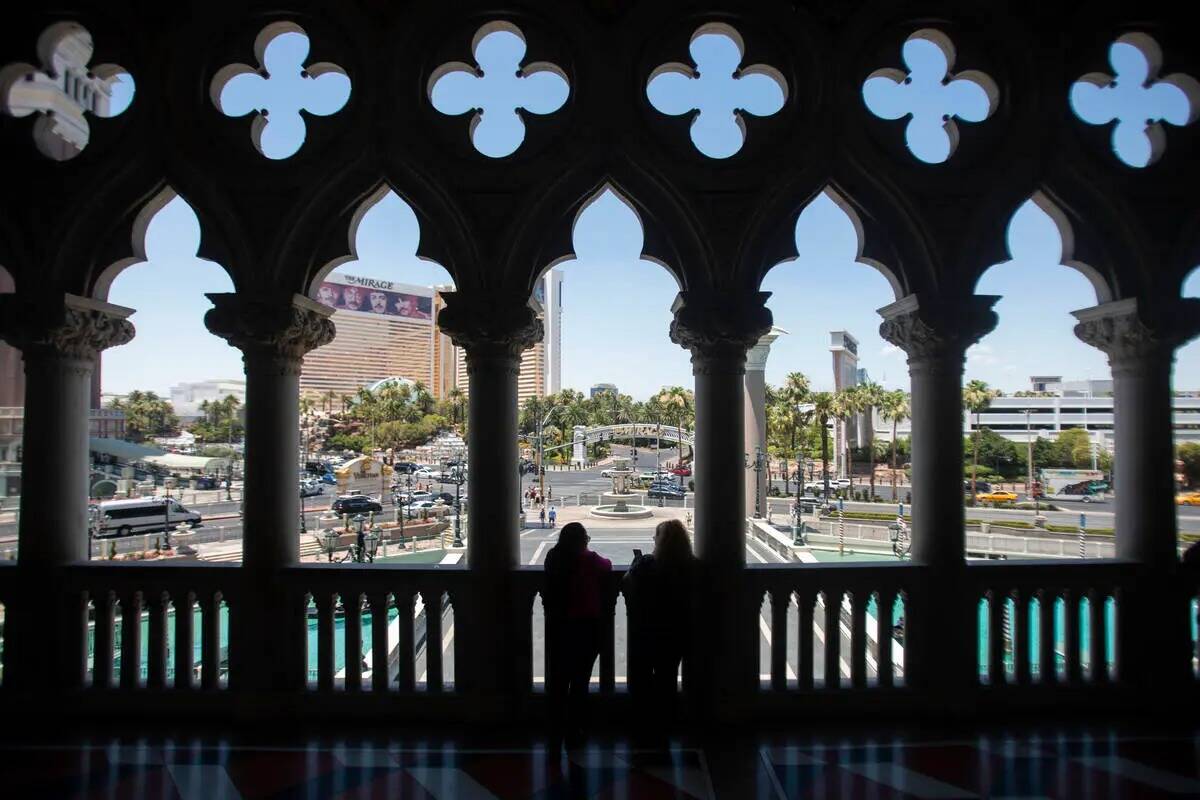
x=123, y=450
x=179, y=461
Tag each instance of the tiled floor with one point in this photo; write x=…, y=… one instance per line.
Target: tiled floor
x=1088, y=764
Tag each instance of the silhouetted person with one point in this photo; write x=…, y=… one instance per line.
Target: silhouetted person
x=1191, y=557
x=574, y=599
x=658, y=591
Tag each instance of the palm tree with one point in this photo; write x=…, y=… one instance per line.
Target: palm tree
x=458, y=399
x=893, y=409
x=306, y=406
x=674, y=404
x=823, y=408
x=794, y=393
x=871, y=396
x=977, y=396
x=846, y=406
x=330, y=396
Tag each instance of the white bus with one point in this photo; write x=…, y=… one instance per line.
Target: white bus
x=143, y=515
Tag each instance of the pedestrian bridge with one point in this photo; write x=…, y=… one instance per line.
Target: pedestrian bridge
x=632, y=430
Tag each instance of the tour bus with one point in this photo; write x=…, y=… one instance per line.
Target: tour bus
x=143, y=515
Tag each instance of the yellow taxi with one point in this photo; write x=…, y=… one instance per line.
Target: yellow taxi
x=1187, y=499
x=998, y=497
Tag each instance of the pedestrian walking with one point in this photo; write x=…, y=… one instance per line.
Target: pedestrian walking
x=542, y=516
x=573, y=601
x=553, y=517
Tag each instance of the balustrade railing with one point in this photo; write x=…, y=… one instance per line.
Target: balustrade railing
x=1052, y=623
x=389, y=629
x=831, y=627
x=159, y=627
x=406, y=613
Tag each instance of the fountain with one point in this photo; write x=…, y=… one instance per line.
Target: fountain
x=616, y=504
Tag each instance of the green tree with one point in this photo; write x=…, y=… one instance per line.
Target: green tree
x=847, y=404
x=1189, y=454
x=146, y=414
x=977, y=396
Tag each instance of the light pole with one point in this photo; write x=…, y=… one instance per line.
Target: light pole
x=458, y=542
x=757, y=466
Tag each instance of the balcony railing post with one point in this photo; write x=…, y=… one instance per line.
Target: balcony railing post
x=493, y=330
x=1140, y=344
x=718, y=330
x=940, y=654
x=59, y=336
x=273, y=335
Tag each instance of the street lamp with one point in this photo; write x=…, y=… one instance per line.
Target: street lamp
x=329, y=540
x=757, y=466
x=458, y=542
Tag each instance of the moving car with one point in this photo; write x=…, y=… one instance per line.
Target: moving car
x=143, y=515
x=682, y=469
x=356, y=504
x=668, y=490
x=1188, y=499
x=981, y=487
x=311, y=487
x=206, y=482
x=999, y=497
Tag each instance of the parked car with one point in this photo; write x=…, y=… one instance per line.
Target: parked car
x=405, y=467
x=1188, y=499
x=999, y=496
x=839, y=483
x=356, y=504
x=206, y=482
x=682, y=469
x=667, y=490
x=311, y=488
x=424, y=472
x=329, y=478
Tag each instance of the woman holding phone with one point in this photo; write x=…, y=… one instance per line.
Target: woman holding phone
x=573, y=601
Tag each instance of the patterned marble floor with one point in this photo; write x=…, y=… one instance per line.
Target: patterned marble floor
x=1087, y=765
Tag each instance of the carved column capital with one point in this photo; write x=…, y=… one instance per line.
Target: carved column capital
x=490, y=327
x=719, y=328
x=67, y=327
x=276, y=332
x=932, y=336
x=1132, y=341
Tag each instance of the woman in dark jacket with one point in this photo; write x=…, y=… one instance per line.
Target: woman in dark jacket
x=573, y=602
x=658, y=592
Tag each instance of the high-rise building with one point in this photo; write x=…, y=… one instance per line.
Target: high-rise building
x=385, y=329
x=597, y=388
x=541, y=365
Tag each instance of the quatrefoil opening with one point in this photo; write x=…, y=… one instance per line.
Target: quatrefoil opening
x=279, y=89
x=716, y=89
x=931, y=95
x=64, y=90
x=1136, y=99
x=498, y=89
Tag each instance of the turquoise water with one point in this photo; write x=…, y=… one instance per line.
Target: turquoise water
x=339, y=642
x=1034, y=622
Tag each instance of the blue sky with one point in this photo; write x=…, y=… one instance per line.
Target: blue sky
x=617, y=306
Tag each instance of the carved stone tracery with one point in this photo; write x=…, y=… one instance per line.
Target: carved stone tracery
x=930, y=338
x=491, y=327
x=719, y=329
x=1129, y=340
x=74, y=329
x=280, y=332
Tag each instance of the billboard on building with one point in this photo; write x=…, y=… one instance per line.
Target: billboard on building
x=1072, y=482
x=371, y=296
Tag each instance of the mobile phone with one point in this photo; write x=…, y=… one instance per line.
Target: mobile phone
x=637, y=553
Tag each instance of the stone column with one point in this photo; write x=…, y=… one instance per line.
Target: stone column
x=493, y=330
x=273, y=338
x=756, y=419
x=718, y=329
x=939, y=633
x=273, y=335
x=59, y=339
x=1141, y=351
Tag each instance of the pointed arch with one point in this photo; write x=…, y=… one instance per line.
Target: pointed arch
x=356, y=218
x=138, y=227
x=544, y=235
x=322, y=237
